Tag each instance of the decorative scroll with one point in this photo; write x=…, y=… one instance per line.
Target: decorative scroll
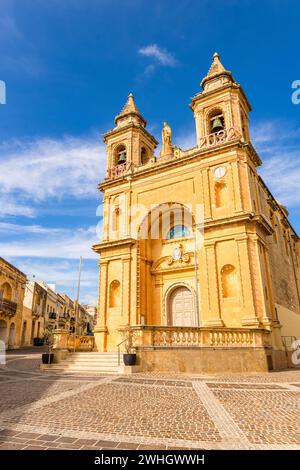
x=225, y=135
x=118, y=170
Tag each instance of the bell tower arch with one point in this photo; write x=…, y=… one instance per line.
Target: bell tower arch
x=129, y=143
x=222, y=105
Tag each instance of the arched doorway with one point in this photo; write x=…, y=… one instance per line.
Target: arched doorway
x=11, y=338
x=3, y=330
x=182, y=307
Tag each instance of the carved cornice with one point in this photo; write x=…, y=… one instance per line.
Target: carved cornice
x=192, y=156
x=100, y=247
x=130, y=126
x=241, y=218
x=185, y=263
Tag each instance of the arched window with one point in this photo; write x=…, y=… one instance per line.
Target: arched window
x=221, y=194
x=229, y=281
x=114, y=294
x=120, y=155
x=144, y=156
x=216, y=121
x=178, y=231
x=6, y=291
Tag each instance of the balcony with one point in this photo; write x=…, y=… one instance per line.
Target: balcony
x=37, y=311
x=8, y=308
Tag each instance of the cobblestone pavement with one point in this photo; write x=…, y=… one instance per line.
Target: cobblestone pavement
x=40, y=410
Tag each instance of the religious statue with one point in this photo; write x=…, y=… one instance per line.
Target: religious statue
x=167, y=148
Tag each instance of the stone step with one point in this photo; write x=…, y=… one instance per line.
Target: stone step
x=87, y=358
x=84, y=366
x=92, y=354
x=85, y=362
x=102, y=369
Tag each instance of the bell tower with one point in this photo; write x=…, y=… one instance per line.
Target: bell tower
x=222, y=107
x=128, y=144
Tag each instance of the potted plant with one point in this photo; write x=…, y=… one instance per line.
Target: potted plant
x=48, y=339
x=38, y=341
x=129, y=357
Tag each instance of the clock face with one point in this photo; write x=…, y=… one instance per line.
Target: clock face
x=177, y=253
x=220, y=171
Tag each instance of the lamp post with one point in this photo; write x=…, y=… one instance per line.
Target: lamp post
x=77, y=300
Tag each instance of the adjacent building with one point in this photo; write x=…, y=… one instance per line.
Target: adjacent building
x=34, y=312
x=28, y=307
x=12, y=289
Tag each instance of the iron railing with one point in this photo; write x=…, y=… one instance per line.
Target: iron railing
x=119, y=351
x=8, y=307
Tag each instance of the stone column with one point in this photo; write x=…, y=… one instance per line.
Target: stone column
x=101, y=327
x=213, y=286
x=126, y=288
x=250, y=318
x=106, y=218
x=206, y=193
x=238, y=206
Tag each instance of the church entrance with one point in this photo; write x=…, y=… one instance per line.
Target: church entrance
x=182, y=308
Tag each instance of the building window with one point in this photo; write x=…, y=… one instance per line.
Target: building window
x=229, y=281
x=114, y=294
x=216, y=121
x=120, y=155
x=6, y=291
x=144, y=156
x=221, y=194
x=178, y=231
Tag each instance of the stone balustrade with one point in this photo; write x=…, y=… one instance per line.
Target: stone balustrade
x=145, y=336
x=65, y=340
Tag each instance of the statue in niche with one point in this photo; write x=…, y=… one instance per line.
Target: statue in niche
x=167, y=148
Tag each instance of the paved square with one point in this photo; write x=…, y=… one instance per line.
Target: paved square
x=146, y=411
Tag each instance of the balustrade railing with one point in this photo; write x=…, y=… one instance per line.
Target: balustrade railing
x=65, y=340
x=172, y=336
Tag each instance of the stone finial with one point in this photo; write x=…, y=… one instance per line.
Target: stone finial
x=216, y=69
x=130, y=109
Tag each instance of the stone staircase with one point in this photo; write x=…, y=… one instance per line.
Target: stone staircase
x=89, y=362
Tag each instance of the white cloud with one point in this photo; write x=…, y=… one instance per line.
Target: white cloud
x=34, y=171
x=186, y=140
x=15, y=229
x=47, y=242
x=64, y=274
x=160, y=55
x=10, y=207
x=278, y=147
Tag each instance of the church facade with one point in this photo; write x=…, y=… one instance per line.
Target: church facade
x=197, y=257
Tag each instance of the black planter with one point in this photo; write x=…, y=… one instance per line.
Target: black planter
x=129, y=359
x=38, y=342
x=45, y=358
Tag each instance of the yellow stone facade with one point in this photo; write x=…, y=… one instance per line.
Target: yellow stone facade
x=226, y=279
x=12, y=288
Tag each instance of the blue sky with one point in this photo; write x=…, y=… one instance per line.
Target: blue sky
x=68, y=68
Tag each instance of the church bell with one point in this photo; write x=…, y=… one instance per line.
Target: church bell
x=217, y=125
x=122, y=158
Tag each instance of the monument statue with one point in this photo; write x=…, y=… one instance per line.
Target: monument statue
x=167, y=148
